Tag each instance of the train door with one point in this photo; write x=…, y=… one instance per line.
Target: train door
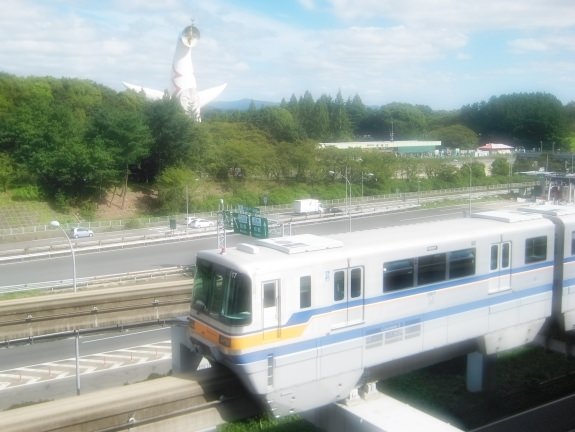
x=348, y=290
x=355, y=304
x=271, y=308
x=500, y=264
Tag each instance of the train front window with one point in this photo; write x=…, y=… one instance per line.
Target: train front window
x=222, y=293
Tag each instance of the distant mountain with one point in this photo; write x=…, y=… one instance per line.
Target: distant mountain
x=238, y=105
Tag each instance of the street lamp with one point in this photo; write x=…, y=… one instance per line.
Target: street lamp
x=347, y=197
x=56, y=224
x=469, y=166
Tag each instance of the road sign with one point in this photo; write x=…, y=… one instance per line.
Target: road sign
x=250, y=225
x=259, y=227
x=248, y=210
x=241, y=223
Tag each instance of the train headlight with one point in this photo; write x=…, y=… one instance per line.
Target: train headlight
x=225, y=341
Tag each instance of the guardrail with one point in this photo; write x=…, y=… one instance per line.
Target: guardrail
x=99, y=281
x=46, y=231
x=33, y=317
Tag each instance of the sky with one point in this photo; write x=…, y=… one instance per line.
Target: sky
x=439, y=53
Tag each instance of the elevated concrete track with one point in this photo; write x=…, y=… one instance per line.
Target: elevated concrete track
x=190, y=403
x=98, y=309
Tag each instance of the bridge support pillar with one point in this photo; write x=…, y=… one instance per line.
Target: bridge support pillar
x=184, y=359
x=480, y=372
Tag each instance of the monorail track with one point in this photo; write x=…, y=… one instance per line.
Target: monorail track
x=109, y=307
x=192, y=403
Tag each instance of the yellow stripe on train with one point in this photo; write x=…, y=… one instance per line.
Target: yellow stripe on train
x=248, y=341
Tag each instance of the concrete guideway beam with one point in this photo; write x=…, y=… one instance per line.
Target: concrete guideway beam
x=111, y=307
x=170, y=403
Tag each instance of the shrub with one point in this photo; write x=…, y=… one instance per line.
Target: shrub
x=26, y=193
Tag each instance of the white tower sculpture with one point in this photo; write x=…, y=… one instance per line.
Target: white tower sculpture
x=183, y=85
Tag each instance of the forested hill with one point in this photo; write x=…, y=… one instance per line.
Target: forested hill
x=72, y=140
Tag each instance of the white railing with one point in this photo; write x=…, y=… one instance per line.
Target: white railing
x=94, y=281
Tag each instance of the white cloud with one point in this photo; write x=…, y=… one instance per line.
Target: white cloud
x=559, y=43
x=383, y=50
x=307, y=4
x=457, y=14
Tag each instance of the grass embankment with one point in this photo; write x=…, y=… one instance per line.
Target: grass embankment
x=525, y=378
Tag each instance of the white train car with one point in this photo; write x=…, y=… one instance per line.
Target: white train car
x=304, y=320
x=564, y=286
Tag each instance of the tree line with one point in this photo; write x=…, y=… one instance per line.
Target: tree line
x=71, y=141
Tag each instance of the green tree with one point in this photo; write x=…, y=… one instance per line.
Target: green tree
x=356, y=112
x=533, y=120
x=455, y=136
x=306, y=115
x=340, y=126
x=76, y=171
x=500, y=167
x=121, y=130
x=241, y=151
x=321, y=120
x=176, y=186
x=277, y=122
x=172, y=132
x=7, y=171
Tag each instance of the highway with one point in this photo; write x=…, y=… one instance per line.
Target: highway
x=183, y=253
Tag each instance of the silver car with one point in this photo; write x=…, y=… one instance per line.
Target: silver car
x=81, y=232
x=201, y=223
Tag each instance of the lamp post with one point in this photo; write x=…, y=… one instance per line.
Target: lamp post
x=187, y=208
x=469, y=166
x=347, y=197
x=56, y=224
x=418, y=191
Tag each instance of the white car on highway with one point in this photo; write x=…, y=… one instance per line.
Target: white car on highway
x=81, y=232
x=201, y=223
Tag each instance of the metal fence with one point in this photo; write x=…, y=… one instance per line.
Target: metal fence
x=271, y=211
x=96, y=281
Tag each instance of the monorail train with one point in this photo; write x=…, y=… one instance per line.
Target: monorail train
x=304, y=320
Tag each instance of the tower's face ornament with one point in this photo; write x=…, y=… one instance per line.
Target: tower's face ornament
x=183, y=83
x=190, y=36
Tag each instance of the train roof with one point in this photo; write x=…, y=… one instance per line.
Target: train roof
x=550, y=209
x=306, y=248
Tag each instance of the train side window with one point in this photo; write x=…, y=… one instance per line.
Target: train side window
x=461, y=263
x=431, y=268
x=304, y=292
x=398, y=274
x=505, y=255
x=535, y=249
x=215, y=306
x=338, y=285
x=355, y=282
x=494, y=263
x=572, y=242
x=269, y=294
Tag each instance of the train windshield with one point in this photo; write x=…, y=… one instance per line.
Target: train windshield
x=222, y=293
